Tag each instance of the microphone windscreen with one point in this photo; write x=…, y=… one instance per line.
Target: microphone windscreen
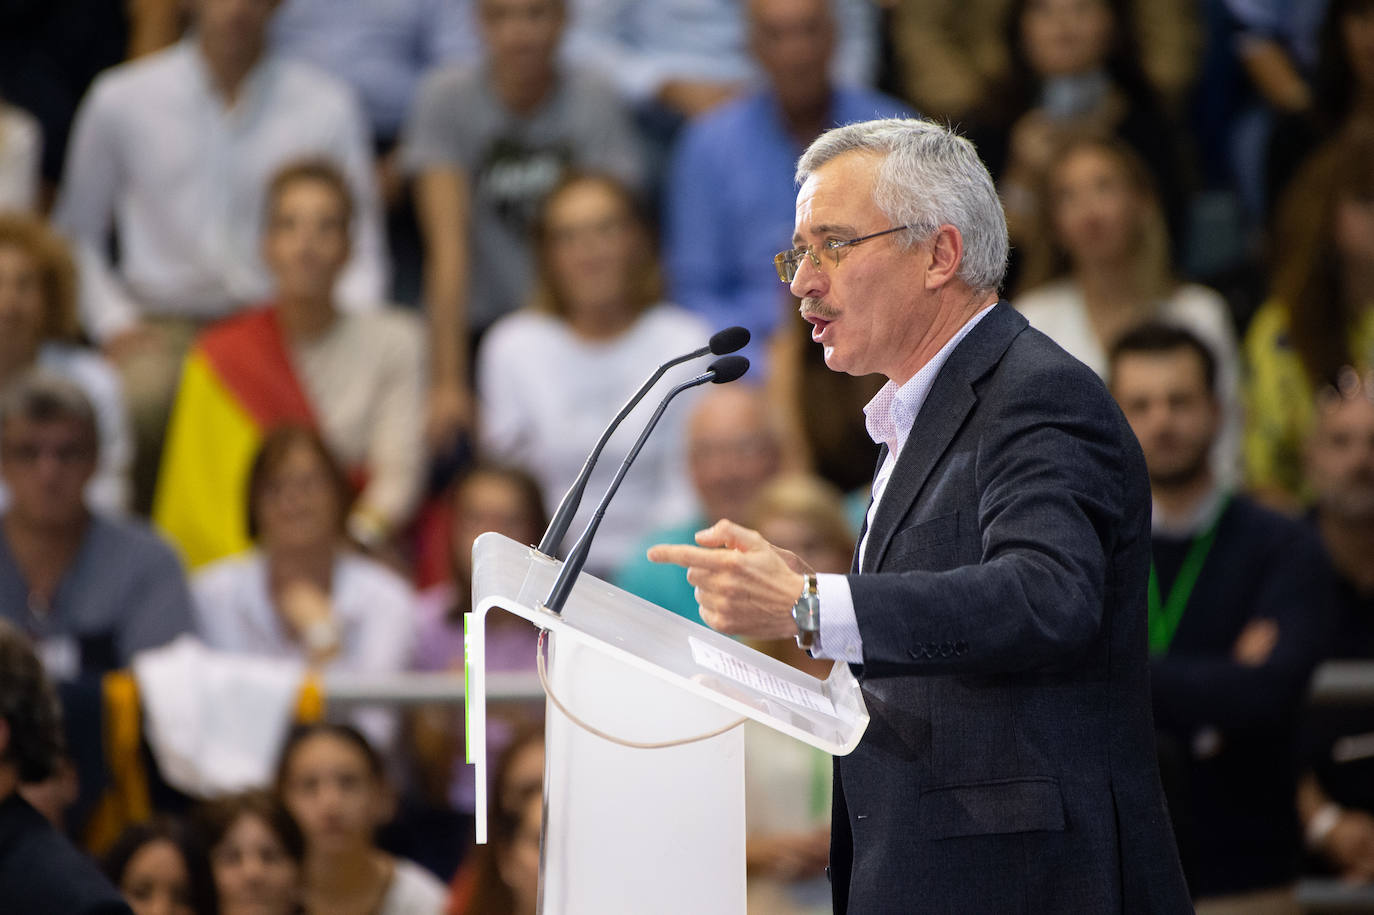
x=728, y=340
x=728, y=368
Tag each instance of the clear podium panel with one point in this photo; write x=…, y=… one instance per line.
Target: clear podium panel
x=639, y=830
x=629, y=828
x=828, y=714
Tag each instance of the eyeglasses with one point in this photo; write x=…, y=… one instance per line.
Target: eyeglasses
x=787, y=262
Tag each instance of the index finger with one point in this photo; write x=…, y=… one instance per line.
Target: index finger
x=689, y=556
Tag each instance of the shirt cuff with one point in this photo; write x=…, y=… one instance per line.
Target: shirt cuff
x=839, y=635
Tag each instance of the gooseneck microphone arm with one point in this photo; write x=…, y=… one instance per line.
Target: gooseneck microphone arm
x=725, y=341
x=722, y=371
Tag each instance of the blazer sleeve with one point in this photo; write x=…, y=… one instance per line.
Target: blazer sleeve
x=1055, y=489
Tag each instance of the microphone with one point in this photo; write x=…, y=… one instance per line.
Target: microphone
x=723, y=371
x=721, y=342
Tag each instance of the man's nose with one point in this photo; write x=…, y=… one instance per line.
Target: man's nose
x=809, y=281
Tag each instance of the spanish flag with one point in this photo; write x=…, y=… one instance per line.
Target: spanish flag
x=237, y=385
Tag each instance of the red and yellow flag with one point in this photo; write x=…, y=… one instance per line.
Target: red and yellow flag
x=236, y=386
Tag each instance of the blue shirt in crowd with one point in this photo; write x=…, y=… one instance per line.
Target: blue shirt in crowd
x=731, y=204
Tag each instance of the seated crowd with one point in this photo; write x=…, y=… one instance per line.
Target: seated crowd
x=305, y=295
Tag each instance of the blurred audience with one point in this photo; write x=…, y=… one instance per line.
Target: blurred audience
x=257, y=853
x=174, y=152
x=1320, y=315
x=502, y=877
x=162, y=869
x=38, y=327
x=1075, y=69
x=550, y=374
x=787, y=783
x=684, y=57
x=1342, y=95
x=382, y=50
x=734, y=447
x=486, y=144
x=1336, y=795
x=488, y=497
x=21, y=145
x=948, y=55
x=1100, y=265
x=50, y=50
x=1340, y=471
x=40, y=871
x=1240, y=606
x=334, y=784
x=356, y=377
x=302, y=591
x=730, y=196
x=1259, y=68
x=90, y=589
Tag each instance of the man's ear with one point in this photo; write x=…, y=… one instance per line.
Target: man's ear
x=946, y=255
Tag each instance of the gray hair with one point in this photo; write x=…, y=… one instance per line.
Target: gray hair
x=929, y=177
x=43, y=397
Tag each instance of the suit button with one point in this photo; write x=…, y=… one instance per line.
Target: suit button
x=960, y=647
x=946, y=649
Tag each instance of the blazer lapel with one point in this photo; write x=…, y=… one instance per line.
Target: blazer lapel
x=949, y=403
x=863, y=528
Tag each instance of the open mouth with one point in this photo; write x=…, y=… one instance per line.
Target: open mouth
x=818, y=325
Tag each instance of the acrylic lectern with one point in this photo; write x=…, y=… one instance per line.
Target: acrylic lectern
x=644, y=770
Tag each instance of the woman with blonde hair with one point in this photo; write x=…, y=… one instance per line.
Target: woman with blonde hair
x=1100, y=266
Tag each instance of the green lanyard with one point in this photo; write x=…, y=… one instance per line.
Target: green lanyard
x=1166, y=614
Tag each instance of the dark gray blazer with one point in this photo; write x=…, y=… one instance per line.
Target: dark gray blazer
x=1009, y=763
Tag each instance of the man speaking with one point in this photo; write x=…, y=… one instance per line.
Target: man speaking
x=996, y=610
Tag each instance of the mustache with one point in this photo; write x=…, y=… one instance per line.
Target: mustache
x=816, y=308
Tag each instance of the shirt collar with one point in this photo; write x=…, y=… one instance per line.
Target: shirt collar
x=255, y=83
x=1194, y=522
x=892, y=412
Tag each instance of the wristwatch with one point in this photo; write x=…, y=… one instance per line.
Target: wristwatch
x=806, y=612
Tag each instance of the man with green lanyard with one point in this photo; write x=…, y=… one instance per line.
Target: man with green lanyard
x=1239, y=614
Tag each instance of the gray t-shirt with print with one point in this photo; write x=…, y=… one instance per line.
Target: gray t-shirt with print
x=512, y=162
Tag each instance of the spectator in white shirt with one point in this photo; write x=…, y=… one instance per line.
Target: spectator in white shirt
x=551, y=375
x=1099, y=266
x=304, y=592
x=174, y=152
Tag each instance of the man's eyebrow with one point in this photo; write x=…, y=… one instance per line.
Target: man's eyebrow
x=845, y=231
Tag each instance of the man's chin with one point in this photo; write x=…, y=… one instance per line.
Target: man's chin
x=837, y=362
x=1175, y=476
